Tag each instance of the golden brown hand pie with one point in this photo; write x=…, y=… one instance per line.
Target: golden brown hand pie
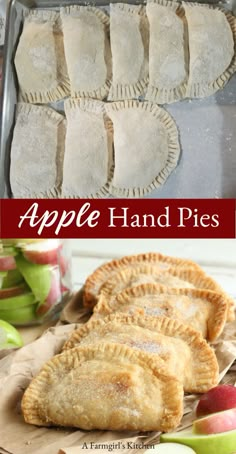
x=37, y=152
x=129, y=47
x=212, y=33
x=168, y=52
x=104, y=387
x=94, y=282
x=204, y=310
x=185, y=353
x=152, y=149
x=87, y=50
x=88, y=149
x=40, y=59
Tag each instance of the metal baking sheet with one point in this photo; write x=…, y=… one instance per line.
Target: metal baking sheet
x=207, y=166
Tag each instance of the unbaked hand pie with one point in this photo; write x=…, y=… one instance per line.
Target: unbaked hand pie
x=163, y=338
x=88, y=149
x=129, y=34
x=40, y=59
x=37, y=152
x=204, y=310
x=95, y=280
x=168, y=52
x=212, y=33
x=144, y=156
x=87, y=50
x=104, y=387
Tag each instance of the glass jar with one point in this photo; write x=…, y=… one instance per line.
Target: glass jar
x=35, y=280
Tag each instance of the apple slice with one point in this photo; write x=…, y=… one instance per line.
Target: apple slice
x=43, y=253
x=54, y=295
x=38, y=277
x=12, y=278
x=12, y=291
x=18, y=301
x=7, y=260
x=9, y=336
x=223, y=443
x=19, y=316
x=215, y=423
x=219, y=398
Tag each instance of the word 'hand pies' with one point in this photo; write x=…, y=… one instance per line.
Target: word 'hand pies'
x=37, y=152
x=204, y=310
x=88, y=149
x=168, y=52
x=87, y=50
x=104, y=387
x=211, y=46
x=144, y=156
x=162, y=337
x=129, y=43
x=95, y=281
x=40, y=60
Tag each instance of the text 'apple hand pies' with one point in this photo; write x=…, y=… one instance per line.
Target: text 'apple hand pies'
x=87, y=50
x=168, y=52
x=37, y=152
x=212, y=33
x=107, y=387
x=203, y=310
x=162, y=337
x=144, y=156
x=88, y=149
x=129, y=46
x=95, y=280
x=40, y=60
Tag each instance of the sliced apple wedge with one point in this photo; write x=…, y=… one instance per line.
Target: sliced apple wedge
x=54, y=295
x=12, y=278
x=38, y=277
x=18, y=301
x=215, y=423
x=9, y=336
x=19, y=316
x=222, y=443
x=43, y=253
x=219, y=398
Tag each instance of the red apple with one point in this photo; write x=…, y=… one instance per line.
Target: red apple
x=222, y=421
x=12, y=291
x=219, y=398
x=43, y=253
x=54, y=294
x=7, y=261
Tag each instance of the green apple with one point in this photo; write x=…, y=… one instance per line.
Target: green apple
x=18, y=301
x=9, y=336
x=221, y=443
x=38, y=277
x=12, y=278
x=19, y=316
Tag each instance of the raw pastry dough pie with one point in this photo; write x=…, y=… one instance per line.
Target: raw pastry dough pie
x=104, y=387
x=87, y=50
x=168, y=52
x=212, y=33
x=88, y=149
x=164, y=338
x=37, y=152
x=95, y=280
x=204, y=310
x=129, y=47
x=40, y=60
x=146, y=147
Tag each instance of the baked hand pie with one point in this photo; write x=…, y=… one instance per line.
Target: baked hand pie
x=129, y=47
x=95, y=280
x=88, y=161
x=168, y=52
x=162, y=337
x=212, y=33
x=106, y=387
x=37, y=152
x=203, y=310
x=40, y=59
x=145, y=156
x=87, y=50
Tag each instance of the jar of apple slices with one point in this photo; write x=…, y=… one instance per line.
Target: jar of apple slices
x=35, y=280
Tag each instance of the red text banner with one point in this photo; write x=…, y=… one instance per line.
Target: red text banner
x=117, y=218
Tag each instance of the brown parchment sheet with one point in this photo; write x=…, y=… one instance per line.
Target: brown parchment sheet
x=19, y=366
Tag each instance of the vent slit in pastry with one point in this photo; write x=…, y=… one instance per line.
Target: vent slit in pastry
x=40, y=60
x=106, y=387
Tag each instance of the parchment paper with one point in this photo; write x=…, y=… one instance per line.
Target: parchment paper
x=18, y=367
